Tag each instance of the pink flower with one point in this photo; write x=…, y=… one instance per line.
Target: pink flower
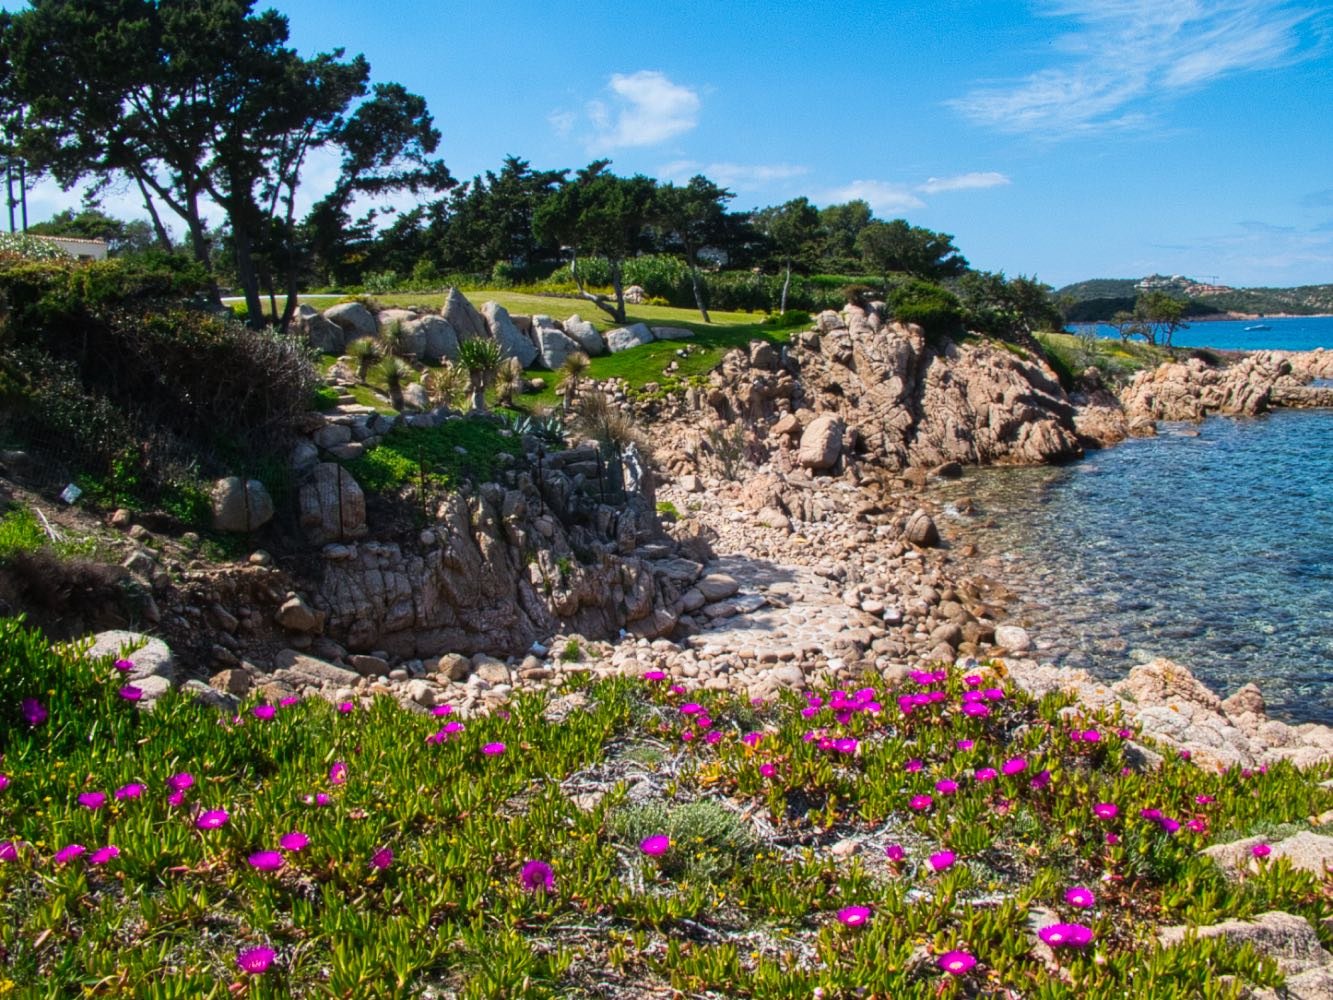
x=92, y=800
x=946, y=786
x=941, y=860
x=1112, y=839
x=382, y=858
x=537, y=876
x=288, y=702
x=1041, y=779
x=1261, y=850
x=175, y=798
x=920, y=802
x=854, y=916
x=656, y=845
x=846, y=745
x=255, y=961
x=318, y=799
x=972, y=680
x=1013, y=765
x=9, y=851
x=1080, y=896
x=345, y=707
x=691, y=708
x=124, y=666
x=1204, y=800
x=103, y=855
x=894, y=852
x=687, y=735
x=442, y=710
x=752, y=738
x=180, y=782
x=993, y=694
x=653, y=676
x=131, y=791
x=493, y=749
x=1106, y=810
x=131, y=693
x=1066, y=935
x=263, y=712
x=33, y=712
x=212, y=819
x=965, y=744
x=913, y=766
x=714, y=737
x=985, y=774
x=976, y=710
x=956, y=963
x=338, y=773
x=67, y=854
x=767, y=770
x=4, y=782
x=266, y=861
x=293, y=841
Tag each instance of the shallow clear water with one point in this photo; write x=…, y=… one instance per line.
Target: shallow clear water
x=1211, y=544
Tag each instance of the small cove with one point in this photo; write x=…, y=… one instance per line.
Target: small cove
x=1210, y=544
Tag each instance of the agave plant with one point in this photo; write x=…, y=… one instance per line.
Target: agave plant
x=575, y=365
x=395, y=372
x=365, y=352
x=482, y=359
x=392, y=339
x=447, y=385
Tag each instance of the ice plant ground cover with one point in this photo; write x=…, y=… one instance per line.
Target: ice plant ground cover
x=367, y=852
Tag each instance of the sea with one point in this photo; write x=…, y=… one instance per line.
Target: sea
x=1210, y=544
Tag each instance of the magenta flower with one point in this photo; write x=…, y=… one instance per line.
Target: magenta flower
x=131, y=791
x=653, y=676
x=993, y=694
x=293, y=841
x=493, y=749
x=956, y=963
x=972, y=680
x=1013, y=765
x=442, y=710
x=913, y=765
x=853, y=916
x=1197, y=825
x=124, y=666
x=752, y=738
x=687, y=735
x=338, y=773
x=691, y=708
x=288, y=702
x=1091, y=736
x=1204, y=800
x=382, y=858
x=1041, y=779
x=131, y=693
x=255, y=961
x=537, y=876
x=655, y=845
x=67, y=854
x=946, y=786
x=846, y=745
x=965, y=744
x=212, y=819
x=714, y=737
x=976, y=710
x=9, y=851
x=985, y=774
x=266, y=861
x=33, y=712
x=1261, y=850
x=1066, y=935
x=345, y=708
x=1112, y=839
x=92, y=800
x=1106, y=810
x=175, y=798
x=767, y=770
x=895, y=852
x=263, y=712
x=180, y=782
x=103, y=855
x=941, y=860
x=4, y=781
x=319, y=799
x=1080, y=896
x=920, y=802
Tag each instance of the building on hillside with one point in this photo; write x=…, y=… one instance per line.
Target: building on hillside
x=79, y=249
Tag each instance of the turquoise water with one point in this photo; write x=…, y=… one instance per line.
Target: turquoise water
x=1211, y=545
x=1298, y=333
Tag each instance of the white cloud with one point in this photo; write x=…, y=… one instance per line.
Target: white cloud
x=738, y=176
x=1127, y=56
x=885, y=197
x=974, y=181
x=645, y=108
x=562, y=122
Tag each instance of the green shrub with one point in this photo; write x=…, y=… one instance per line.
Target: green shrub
x=325, y=398
x=380, y=282
x=31, y=247
x=936, y=310
x=20, y=532
x=398, y=460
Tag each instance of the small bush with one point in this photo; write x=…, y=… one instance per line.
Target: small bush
x=936, y=310
x=398, y=460
x=20, y=532
x=325, y=398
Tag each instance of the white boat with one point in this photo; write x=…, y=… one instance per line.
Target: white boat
x=1258, y=326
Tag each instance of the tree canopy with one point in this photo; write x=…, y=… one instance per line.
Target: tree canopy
x=898, y=247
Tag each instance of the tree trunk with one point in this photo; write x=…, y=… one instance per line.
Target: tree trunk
x=618, y=283
x=786, y=284
x=598, y=300
x=698, y=291
x=245, y=271
x=478, y=393
x=162, y=236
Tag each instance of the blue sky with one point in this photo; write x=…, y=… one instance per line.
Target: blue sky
x=1066, y=139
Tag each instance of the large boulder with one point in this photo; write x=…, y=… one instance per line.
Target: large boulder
x=431, y=338
x=388, y=317
x=583, y=333
x=320, y=333
x=154, y=665
x=921, y=530
x=821, y=444
x=624, y=337
x=333, y=506
x=354, y=318
x=463, y=316
x=635, y=295
x=240, y=505
x=552, y=342
x=510, y=338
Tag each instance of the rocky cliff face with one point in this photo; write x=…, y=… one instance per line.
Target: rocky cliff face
x=1193, y=389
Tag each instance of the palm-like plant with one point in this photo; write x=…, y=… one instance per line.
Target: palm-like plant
x=508, y=381
x=392, y=337
x=395, y=372
x=575, y=365
x=481, y=358
x=446, y=385
x=365, y=352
